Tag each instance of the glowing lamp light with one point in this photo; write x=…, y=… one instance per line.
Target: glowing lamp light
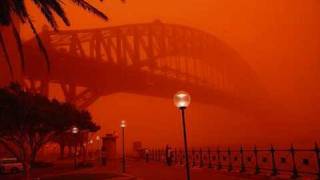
x=98, y=138
x=91, y=141
x=123, y=124
x=182, y=99
x=75, y=130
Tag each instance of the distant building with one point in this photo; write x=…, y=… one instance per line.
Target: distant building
x=109, y=145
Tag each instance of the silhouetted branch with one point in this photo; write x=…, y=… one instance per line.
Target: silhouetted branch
x=40, y=44
x=19, y=44
x=6, y=55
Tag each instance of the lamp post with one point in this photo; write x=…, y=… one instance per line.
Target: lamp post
x=123, y=125
x=90, y=148
x=182, y=100
x=75, y=131
x=98, y=148
x=98, y=140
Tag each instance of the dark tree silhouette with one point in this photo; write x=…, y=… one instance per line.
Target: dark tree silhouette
x=70, y=140
x=85, y=126
x=28, y=121
x=49, y=9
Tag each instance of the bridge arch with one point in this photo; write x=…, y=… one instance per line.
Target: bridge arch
x=151, y=58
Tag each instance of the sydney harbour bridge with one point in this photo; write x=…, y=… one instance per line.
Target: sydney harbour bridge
x=153, y=59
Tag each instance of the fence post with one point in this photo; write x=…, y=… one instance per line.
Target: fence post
x=162, y=156
x=295, y=173
x=230, y=160
x=157, y=154
x=242, y=166
x=209, y=158
x=151, y=154
x=257, y=168
x=175, y=156
x=201, y=158
x=181, y=157
x=193, y=158
x=154, y=154
x=274, y=167
x=317, y=151
x=219, y=166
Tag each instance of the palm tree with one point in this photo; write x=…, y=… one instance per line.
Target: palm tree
x=49, y=9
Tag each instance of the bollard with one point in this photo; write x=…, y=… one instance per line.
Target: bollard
x=219, y=166
x=317, y=151
x=295, y=173
x=257, y=168
x=209, y=158
x=201, y=158
x=230, y=160
x=242, y=165
x=274, y=167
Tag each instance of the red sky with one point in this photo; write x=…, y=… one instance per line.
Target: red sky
x=280, y=39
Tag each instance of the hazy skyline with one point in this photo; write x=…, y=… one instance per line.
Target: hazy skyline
x=279, y=39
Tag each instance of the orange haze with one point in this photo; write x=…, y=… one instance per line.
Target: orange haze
x=280, y=40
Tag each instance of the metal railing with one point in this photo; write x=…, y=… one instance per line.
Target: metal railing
x=292, y=161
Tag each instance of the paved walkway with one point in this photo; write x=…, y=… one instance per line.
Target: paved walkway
x=158, y=171
x=136, y=170
x=64, y=170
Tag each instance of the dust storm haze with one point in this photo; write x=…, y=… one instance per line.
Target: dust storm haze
x=279, y=39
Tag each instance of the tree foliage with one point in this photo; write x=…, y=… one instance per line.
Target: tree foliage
x=28, y=121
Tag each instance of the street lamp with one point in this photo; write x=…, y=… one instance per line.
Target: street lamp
x=75, y=131
x=90, y=148
x=123, y=125
x=98, y=147
x=98, y=140
x=182, y=100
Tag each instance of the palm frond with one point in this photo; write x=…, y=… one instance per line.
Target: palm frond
x=85, y=5
x=55, y=5
x=47, y=13
x=19, y=44
x=6, y=54
x=20, y=10
x=49, y=9
x=5, y=12
x=39, y=42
